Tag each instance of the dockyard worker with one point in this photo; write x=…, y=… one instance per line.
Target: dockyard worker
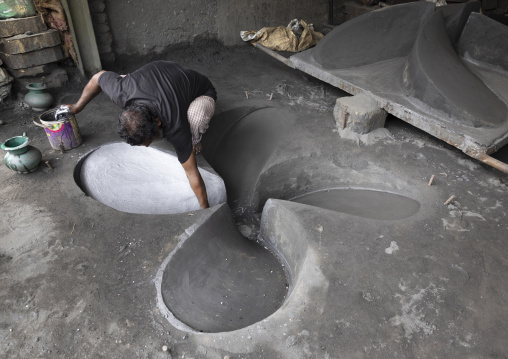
x=161, y=95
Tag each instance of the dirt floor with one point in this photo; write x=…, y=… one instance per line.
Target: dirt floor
x=78, y=279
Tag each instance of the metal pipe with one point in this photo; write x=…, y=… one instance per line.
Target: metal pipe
x=491, y=161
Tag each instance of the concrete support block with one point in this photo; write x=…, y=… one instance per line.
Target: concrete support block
x=20, y=44
x=57, y=78
x=33, y=71
x=33, y=58
x=11, y=27
x=359, y=113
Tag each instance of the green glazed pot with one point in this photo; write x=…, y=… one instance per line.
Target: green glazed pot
x=37, y=98
x=21, y=157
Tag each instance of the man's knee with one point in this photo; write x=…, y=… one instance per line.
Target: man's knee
x=199, y=114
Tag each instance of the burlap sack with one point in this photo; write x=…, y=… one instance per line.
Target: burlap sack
x=283, y=38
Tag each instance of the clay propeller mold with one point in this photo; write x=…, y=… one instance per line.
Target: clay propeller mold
x=443, y=70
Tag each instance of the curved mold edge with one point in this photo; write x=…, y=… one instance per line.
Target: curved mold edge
x=76, y=174
x=281, y=230
x=182, y=315
x=161, y=305
x=435, y=75
x=287, y=241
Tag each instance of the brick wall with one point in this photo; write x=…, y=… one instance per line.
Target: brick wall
x=102, y=31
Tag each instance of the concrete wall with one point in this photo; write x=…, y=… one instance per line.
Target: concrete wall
x=144, y=27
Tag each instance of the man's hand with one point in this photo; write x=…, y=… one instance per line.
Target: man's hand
x=74, y=109
x=196, y=148
x=91, y=90
x=196, y=181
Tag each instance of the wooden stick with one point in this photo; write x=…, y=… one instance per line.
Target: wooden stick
x=431, y=180
x=271, y=96
x=449, y=199
x=47, y=164
x=247, y=94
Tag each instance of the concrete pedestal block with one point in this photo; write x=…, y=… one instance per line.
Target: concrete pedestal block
x=33, y=58
x=359, y=113
x=11, y=27
x=20, y=44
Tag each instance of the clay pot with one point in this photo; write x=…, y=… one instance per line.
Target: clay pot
x=37, y=98
x=21, y=157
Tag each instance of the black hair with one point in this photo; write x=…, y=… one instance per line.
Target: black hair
x=137, y=124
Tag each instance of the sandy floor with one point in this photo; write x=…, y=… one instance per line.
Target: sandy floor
x=77, y=277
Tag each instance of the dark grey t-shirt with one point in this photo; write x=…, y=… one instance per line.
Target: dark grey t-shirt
x=168, y=88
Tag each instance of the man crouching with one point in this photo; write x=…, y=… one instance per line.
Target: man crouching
x=161, y=96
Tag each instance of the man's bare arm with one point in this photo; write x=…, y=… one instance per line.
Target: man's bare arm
x=91, y=90
x=196, y=181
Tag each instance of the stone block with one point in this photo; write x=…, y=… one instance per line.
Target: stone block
x=33, y=58
x=11, y=27
x=57, y=78
x=359, y=113
x=20, y=44
x=33, y=71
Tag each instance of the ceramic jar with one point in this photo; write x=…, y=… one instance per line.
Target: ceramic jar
x=21, y=157
x=37, y=98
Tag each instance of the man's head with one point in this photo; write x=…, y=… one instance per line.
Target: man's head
x=138, y=125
